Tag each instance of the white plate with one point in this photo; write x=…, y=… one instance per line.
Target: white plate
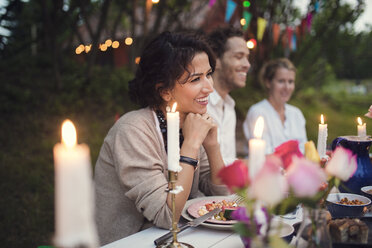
x=209, y=225
x=284, y=226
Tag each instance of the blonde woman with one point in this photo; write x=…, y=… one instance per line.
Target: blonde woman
x=283, y=121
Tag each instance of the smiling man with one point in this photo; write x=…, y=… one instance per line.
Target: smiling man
x=230, y=73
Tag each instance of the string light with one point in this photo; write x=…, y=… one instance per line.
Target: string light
x=137, y=60
x=242, y=22
x=246, y=4
x=78, y=50
x=115, y=44
x=103, y=47
x=108, y=43
x=128, y=41
x=87, y=48
x=251, y=43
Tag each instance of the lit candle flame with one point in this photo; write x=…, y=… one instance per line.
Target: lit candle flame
x=258, y=128
x=68, y=134
x=174, y=107
x=360, y=121
x=321, y=119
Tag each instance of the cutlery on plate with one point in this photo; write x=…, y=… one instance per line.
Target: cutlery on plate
x=193, y=223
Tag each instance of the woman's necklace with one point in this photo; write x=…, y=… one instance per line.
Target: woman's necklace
x=163, y=128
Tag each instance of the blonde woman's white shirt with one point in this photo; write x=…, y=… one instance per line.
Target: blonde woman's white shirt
x=275, y=132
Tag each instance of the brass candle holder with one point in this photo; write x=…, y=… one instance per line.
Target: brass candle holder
x=174, y=230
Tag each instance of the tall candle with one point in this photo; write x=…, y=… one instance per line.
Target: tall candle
x=322, y=138
x=361, y=128
x=257, y=148
x=173, y=139
x=74, y=196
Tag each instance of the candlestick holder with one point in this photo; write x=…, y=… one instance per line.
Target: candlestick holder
x=174, y=230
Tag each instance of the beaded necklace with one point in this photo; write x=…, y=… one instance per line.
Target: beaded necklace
x=163, y=128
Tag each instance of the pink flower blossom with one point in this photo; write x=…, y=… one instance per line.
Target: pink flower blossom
x=343, y=164
x=369, y=114
x=235, y=175
x=287, y=150
x=269, y=186
x=305, y=177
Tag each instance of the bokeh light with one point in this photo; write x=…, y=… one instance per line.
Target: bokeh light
x=137, y=60
x=128, y=41
x=115, y=44
x=108, y=43
x=242, y=22
x=251, y=43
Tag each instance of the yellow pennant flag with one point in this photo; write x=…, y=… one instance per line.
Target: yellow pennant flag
x=261, y=25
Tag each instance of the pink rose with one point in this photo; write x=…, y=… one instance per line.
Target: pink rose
x=343, y=164
x=235, y=175
x=287, y=150
x=305, y=177
x=369, y=114
x=269, y=186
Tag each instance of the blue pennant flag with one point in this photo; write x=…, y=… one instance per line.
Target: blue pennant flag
x=230, y=8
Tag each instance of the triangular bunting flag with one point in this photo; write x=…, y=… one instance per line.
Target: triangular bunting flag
x=294, y=42
x=289, y=36
x=276, y=33
x=316, y=6
x=309, y=19
x=211, y=3
x=247, y=16
x=261, y=25
x=230, y=8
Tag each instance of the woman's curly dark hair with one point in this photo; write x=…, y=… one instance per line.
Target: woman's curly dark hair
x=163, y=62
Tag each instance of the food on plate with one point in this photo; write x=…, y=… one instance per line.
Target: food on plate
x=346, y=201
x=348, y=231
x=369, y=191
x=227, y=207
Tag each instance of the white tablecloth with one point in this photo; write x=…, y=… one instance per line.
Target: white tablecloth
x=198, y=237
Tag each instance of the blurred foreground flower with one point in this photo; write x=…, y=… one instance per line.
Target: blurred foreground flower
x=235, y=176
x=286, y=151
x=311, y=153
x=269, y=186
x=277, y=191
x=369, y=114
x=342, y=165
x=305, y=177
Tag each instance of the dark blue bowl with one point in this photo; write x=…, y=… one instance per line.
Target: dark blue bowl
x=365, y=192
x=338, y=210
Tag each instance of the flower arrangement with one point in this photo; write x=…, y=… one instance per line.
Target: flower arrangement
x=287, y=178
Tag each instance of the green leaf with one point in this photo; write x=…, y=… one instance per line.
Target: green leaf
x=241, y=229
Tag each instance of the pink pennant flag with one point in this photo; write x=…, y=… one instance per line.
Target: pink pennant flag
x=309, y=19
x=276, y=33
x=211, y=3
x=230, y=8
x=289, y=36
x=261, y=25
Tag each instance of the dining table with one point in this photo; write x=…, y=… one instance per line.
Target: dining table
x=200, y=236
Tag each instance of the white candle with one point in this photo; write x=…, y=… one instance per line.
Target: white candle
x=74, y=196
x=257, y=148
x=361, y=128
x=322, y=138
x=173, y=139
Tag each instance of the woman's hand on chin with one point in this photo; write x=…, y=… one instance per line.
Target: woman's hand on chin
x=197, y=129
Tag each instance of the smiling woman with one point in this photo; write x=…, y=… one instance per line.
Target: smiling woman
x=131, y=173
x=283, y=121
